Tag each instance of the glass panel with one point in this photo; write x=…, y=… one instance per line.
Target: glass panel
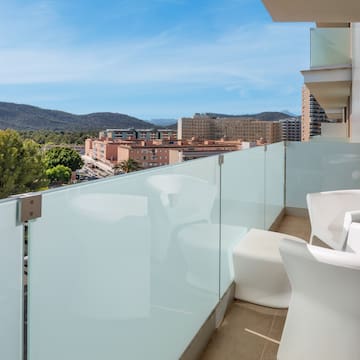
x=319, y=166
x=11, y=282
x=274, y=182
x=330, y=46
x=126, y=267
x=242, y=203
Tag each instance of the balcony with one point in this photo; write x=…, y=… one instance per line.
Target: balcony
x=330, y=47
x=132, y=266
x=330, y=75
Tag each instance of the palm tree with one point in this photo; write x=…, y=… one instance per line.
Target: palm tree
x=127, y=166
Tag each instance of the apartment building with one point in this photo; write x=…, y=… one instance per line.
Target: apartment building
x=335, y=59
x=312, y=116
x=152, y=153
x=291, y=129
x=101, y=150
x=138, y=134
x=233, y=128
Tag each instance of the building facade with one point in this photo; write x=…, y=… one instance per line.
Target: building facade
x=334, y=72
x=291, y=129
x=138, y=134
x=152, y=153
x=312, y=116
x=205, y=127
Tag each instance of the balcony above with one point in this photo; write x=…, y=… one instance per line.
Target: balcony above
x=331, y=86
x=324, y=11
x=330, y=47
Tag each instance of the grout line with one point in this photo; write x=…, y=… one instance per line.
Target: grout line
x=262, y=336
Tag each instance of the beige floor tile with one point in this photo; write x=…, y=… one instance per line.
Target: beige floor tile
x=231, y=341
x=296, y=226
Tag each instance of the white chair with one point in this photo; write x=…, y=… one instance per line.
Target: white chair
x=260, y=276
x=327, y=211
x=323, y=320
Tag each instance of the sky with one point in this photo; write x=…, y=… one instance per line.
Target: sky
x=150, y=58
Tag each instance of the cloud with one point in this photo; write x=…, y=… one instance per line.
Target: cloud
x=258, y=56
x=45, y=61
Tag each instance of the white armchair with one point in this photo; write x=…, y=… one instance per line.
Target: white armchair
x=327, y=211
x=323, y=321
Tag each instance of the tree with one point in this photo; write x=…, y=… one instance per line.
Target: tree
x=63, y=156
x=21, y=165
x=59, y=174
x=127, y=166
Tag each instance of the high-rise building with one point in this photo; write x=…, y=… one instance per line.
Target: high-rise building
x=313, y=115
x=334, y=61
x=291, y=129
x=230, y=128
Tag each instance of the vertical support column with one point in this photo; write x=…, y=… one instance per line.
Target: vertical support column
x=29, y=208
x=355, y=93
x=220, y=162
x=265, y=151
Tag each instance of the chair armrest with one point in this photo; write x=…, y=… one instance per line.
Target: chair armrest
x=353, y=239
x=327, y=211
x=299, y=249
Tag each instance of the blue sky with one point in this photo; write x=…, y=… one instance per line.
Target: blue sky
x=150, y=58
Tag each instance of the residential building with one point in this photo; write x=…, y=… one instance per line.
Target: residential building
x=291, y=129
x=335, y=59
x=138, y=134
x=230, y=128
x=313, y=115
x=152, y=153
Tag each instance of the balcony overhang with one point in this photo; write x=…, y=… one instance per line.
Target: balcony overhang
x=323, y=11
x=334, y=113
x=331, y=87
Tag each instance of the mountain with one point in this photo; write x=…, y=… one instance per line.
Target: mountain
x=269, y=116
x=289, y=113
x=26, y=117
x=163, y=122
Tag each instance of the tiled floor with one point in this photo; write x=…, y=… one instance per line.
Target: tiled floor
x=252, y=332
x=235, y=339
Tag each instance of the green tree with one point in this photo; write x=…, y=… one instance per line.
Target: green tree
x=21, y=165
x=127, y=166
x=63, y=156
x=59, y=174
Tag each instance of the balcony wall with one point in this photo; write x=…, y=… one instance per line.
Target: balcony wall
x=11, y=282
x=131, y=267
x=330, y=47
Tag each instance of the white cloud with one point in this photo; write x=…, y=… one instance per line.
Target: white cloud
x=39, y=50
x=257, y=56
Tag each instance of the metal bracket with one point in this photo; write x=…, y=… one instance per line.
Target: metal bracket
x=221, y=159
x=30, y=207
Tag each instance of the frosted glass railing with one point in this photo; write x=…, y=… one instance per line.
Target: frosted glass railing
x=126, y=267
x=242, y=203
x=330, y=47
x=274, y=182
x=318, y=166
x=11, y=282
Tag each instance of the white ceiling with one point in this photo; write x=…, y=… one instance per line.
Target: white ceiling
x=328, y=11
x=331, y=88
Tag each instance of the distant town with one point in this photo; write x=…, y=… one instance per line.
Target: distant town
x=125, y=144
x=196, y=137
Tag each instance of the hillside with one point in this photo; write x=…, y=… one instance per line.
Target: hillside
x=269, y=116
x=163, y=122
x=26, y=117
